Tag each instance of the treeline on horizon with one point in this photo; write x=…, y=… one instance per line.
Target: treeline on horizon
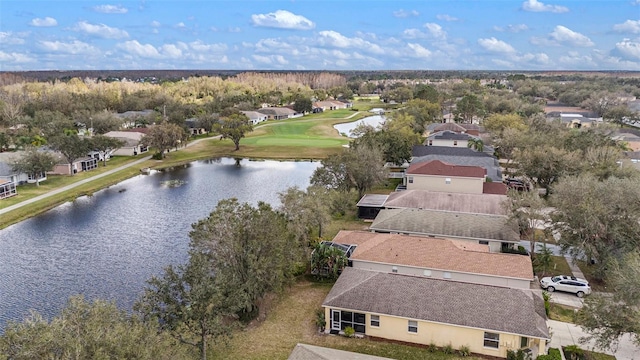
x=12, y=77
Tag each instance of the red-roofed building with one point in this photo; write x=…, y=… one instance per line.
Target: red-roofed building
x=436, y=175
x=494, y=188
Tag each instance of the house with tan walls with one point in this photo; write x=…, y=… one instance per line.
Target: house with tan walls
x=449, y=139
x=496, y=231
x=131, y=140
x=436, y=175
x=489, y=320
x=436, y=258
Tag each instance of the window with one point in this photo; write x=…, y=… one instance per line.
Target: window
x=455, y=142
x=430, y=142
x=355, y=320
x=375, y=320
x=524, y=342
x=427, y=273
x=394, y=269
x=447, y=180
x=446, y=275
x=483, y=242
x=491, y=340
x=413, y=326
x=410, y=179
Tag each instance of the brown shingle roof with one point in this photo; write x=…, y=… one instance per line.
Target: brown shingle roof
x=494, y=188
x=434, y=253
x=449, y=127
x=500, y=309
x=445, y=224
x=443, y=201
x=439, y=168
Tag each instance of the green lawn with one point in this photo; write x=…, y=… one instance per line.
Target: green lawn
x=589, y=271
x=560, y=266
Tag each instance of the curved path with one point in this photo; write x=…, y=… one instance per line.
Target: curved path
x=84, y=181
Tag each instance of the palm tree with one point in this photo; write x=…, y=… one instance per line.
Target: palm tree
x=476, y=143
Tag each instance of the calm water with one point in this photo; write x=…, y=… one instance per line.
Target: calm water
x=109, y=244
x=346, y=128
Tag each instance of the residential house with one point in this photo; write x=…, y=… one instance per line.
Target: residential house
x=130, y=119
x=436, y=258
x=7, y=189
x=493, y=230
x=630, y=137
x=193, y=128
x=436, y=175
x=458, y=156
x=278, y=113
x=471, y=129
x=131, y=139
x=449, y=138
x=86, y=163
x=331, y=105
x=371, y=204
x=255, y=117
x=6, y=170
x=311, y=352
x=489, y=320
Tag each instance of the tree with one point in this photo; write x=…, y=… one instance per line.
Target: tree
x=426, y=92
x=190, y=303
x=233, y=127
x=35, y=163
x=249, y=249
x=544, y=165
x=497, y=123
x=71, y=146
x=303, y=104
x=526, y=208
x=104, y=144
x=423, y=113
x=396, y=138
x=468, y=107
x=607, y=318
x=84, y=330
x=328, y=261
x=359, y=168
x=599, y=220
x=305, y=211
x=476, y=143
x=543, y=259
x=164, y=137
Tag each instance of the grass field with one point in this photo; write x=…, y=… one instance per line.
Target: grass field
x=291, y=321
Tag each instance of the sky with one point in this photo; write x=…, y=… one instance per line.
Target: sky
x=320, y=35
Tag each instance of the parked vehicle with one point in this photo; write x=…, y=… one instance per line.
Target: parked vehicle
x=570, y=284
x=517, y=184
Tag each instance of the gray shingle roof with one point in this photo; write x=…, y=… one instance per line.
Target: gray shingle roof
x=458, y=202
x=372, y=200
x=500, y=309
x=445, y=224
x=450, y=135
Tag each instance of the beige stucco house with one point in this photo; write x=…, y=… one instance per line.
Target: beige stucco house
x=436, y=175
x=131, y=139
x=449, y=139
x=496, y=231
x=436, y=258
x=489, y=320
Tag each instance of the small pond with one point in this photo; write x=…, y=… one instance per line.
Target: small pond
x=346, y=128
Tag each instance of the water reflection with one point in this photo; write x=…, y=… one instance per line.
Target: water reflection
x=347, y=128
x=108, y=244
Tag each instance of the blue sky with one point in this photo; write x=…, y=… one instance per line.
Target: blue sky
x=321, y=35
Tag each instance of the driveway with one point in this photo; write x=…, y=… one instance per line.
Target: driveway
x=563, y=334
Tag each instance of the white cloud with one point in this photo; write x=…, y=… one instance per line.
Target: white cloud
x=436, y=30
x=133, y=47
x=155, y=23
x=405, y=13
x=110, y=9
x=282, y=19
x=629, y=26
x=419, y=51
x=74, y=47
x=9, y=38
x=628, y=49
x=513, y=28
x=635, y=2
x=100, y=30
x=575, y=60
x=15, y=57
x=43, y=22
x=200, y=46
x=335, y=39
x=564, y=35
x=445, y=17
x=180, y=25
x=495, y=45
x=413, y=34
x=537, y=6
x=271, y=60
x=171, y=51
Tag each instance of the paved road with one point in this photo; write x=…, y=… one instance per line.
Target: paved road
x=563, y=334
x=89, y=179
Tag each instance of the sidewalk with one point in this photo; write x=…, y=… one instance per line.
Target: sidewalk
x=563, y=334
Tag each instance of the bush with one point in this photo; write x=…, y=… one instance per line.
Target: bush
x=464, y=351
x=320, y=320
x=573, y=352
x=448, y=349
x=515, y=355
x=555, y=354
x=520, y=250
x=157, y=156
x=349, y=331
x=433, y=347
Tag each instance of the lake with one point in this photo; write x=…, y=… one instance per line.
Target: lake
x=346, y=128
x=108, y=244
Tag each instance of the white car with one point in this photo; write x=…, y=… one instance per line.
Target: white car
x=571, y=284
